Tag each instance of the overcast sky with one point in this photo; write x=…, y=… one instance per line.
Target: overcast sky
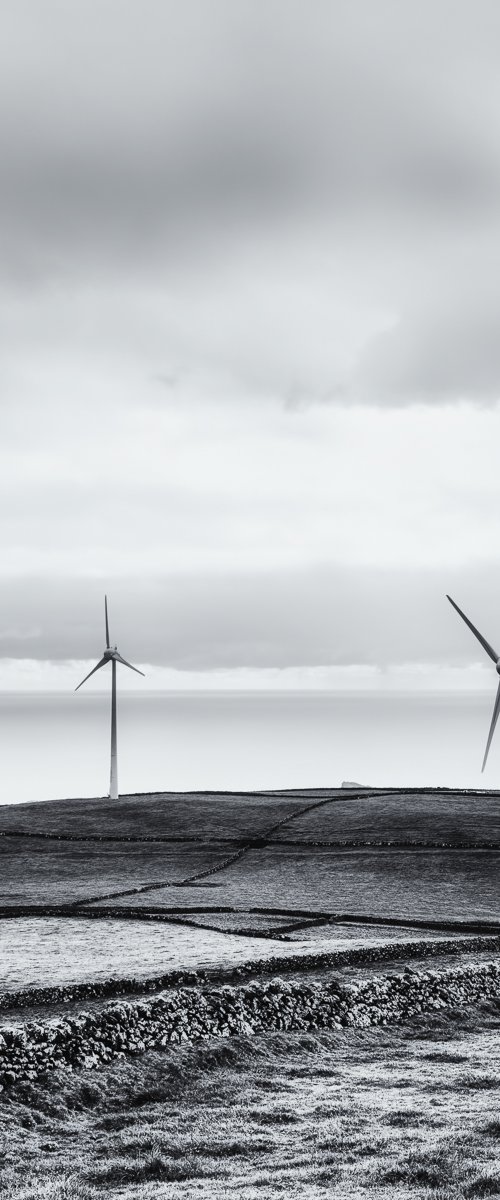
x=249, y=308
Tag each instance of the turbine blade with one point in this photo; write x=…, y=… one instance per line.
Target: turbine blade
x=494, y=720
x=107, y=625
x=486, y=645
x=92, y=672
x=119, y=658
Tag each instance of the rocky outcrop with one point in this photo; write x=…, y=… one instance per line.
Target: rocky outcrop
x=193, y=1014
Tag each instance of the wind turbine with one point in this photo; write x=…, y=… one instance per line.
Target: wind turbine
x=111, y=655
x=496, y=659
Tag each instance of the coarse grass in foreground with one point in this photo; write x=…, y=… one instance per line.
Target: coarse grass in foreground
x=386, y=1113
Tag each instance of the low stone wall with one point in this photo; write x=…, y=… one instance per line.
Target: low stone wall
x=194, y=1014
x=324, y=960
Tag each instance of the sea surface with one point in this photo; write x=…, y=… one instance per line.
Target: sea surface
x=55, y=745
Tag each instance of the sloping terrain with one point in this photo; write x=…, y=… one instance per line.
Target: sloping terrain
x=268, y=865
x=36, y=870
x=396, y=1113
x=101, y=899
x=156, y=814
x=432, y=816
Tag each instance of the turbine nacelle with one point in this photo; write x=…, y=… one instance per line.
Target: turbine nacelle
x=111, y=654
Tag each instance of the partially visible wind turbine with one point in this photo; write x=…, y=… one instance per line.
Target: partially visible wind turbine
x=111, y=655
x=496, y=659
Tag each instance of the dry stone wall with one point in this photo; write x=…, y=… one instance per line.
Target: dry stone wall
x=191, y=1014
x=325, y=960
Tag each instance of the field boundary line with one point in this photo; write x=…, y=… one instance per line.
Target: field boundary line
x=119, y=838
x=152, y=887
x=68, y=911
x=261, y=840
x=483, y=848
x=257, y=842
x=112, y=987
x=250, y=844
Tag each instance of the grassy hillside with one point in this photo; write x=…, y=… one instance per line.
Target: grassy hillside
x=166, y=855
x=375, y=883
x=431, y=816
x=36, y=870
x=325, y=815
x=439, y=886
x=162, y=814
x=390, y=1114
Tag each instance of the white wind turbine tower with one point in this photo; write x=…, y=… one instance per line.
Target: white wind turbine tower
x=111, y=655
x=496, y=659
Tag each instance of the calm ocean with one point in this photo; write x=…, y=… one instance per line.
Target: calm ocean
x=55, y=745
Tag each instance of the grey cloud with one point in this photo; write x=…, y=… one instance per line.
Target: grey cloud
x=435, y=356
x=216, y=114
x=166, y=146
x=312, y=617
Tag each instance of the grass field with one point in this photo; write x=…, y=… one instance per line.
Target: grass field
x=35, y=870
x=154, y=815
x=40, y=952
x=248, y=870
x=387, y=1114
x=375, y=883
x=390, y=883
x=386, y=883
x=433, y=816
x=426, y=885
